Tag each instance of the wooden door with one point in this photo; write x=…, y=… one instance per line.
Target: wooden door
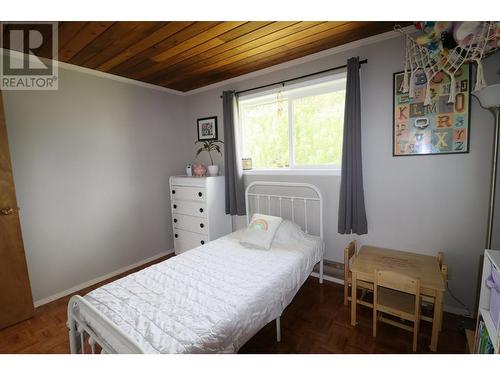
x=16, y=302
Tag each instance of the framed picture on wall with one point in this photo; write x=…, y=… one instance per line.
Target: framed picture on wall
x=207, y=128
x=438, y=128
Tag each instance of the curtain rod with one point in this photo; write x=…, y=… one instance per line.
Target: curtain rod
x=297, y=78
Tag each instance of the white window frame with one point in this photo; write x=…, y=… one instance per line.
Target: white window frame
x=293, y=169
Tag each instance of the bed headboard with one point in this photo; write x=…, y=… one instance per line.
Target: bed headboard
x=298, y=202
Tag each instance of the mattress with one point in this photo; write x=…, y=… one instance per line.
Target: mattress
x=211, y=299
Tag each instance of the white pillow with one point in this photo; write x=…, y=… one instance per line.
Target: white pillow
x=288, y=232
x=260, y=232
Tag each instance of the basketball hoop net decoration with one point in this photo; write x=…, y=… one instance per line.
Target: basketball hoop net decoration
x=445, y=47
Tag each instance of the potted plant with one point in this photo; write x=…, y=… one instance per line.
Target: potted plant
x=209, y=146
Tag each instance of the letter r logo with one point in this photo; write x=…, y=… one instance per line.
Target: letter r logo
x=16, y=42
x=26, y=42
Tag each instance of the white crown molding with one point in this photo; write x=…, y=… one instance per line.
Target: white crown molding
x=114, y=77
x=97, y=73
x=301, y=60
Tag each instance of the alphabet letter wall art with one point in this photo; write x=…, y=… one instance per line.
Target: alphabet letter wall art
x=438, y=128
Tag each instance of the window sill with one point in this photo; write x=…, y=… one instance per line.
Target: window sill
x=293, y=172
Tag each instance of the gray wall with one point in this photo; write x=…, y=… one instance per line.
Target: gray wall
x=91, y=165
x=422, y=203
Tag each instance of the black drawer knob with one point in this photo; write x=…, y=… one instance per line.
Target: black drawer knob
x=201, y=209
x=202, y=242
x=175, y=206
x=176, y=235
x=202, y=225
x=175, y=220
x=173, y=191
x=200, y=194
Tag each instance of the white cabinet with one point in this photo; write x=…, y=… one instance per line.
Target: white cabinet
x=198, y=211
x=485, y=325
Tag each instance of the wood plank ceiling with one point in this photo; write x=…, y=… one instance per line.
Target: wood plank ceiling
x=188, y=55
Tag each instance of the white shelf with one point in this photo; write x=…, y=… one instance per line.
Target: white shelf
x=494, y=257
x=490, y=326
x=491, y=261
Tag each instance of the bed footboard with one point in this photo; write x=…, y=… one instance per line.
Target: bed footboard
x=88, y=328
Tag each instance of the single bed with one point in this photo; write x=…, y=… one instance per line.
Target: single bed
x=211, y=299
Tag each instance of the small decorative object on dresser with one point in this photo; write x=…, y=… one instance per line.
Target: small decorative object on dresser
x=198, y=211
x=209, y=146
x=199, y=170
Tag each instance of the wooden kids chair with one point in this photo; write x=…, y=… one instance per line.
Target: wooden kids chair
x=349, y=253
x=397, y=295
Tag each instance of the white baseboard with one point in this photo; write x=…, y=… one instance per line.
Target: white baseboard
x=450, y=309
x=86, y=284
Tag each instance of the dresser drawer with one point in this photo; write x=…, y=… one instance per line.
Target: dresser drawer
x=184, y=240
x=189, y=181
x=198, y=209
x=188, y=193
x=191, y=223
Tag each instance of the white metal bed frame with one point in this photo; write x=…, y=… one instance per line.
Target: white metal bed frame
x=292, y=199
x=85, y=321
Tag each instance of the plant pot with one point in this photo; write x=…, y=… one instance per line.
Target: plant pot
x=213, y=170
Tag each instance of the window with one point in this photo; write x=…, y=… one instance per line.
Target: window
x=298, y=127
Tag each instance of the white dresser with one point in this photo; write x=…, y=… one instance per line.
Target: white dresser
x=198, y=211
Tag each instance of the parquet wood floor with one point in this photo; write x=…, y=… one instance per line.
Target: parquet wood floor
x=318, y=322
x=315, y=322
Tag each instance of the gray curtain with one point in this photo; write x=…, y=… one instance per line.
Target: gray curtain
x=352, y=214
x=235, y=190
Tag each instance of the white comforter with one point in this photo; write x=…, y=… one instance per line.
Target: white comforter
x=210, y=299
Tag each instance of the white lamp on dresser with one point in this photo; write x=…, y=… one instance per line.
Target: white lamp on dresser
x=198, y=211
